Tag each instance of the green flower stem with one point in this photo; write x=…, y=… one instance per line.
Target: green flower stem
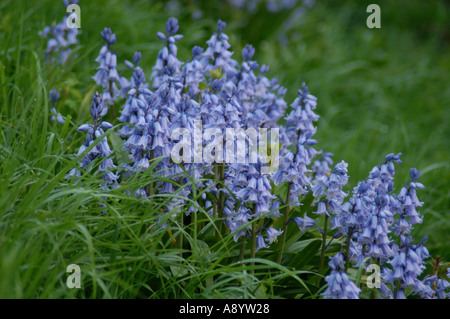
x=219, y=174
x=221, y=197
x=324, y=246
x=347, y=249
x=253, y=245
x=111, y=92
x=216, y=178
x=150, y=189
x=242, y=252
x=179, y=244
x=180, y=235
x=194, y=229
x=285, y=221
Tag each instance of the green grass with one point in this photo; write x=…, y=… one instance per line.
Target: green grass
x=379, y=91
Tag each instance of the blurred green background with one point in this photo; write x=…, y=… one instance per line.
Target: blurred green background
x=379, y=90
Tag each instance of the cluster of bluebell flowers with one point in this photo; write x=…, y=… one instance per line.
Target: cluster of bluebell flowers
x=60, y=39
x=191, y=107
x=98, y=157
x=55, y=115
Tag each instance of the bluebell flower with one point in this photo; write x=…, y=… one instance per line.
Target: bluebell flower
x=260, y=243
x=257, y=190
x=329, y=194
x=163, y=105
x=101, y=151
x=336, y=262
x=167, y=56
x=299, y=130
x=55, y=115
x=210, y=100
x=321, y=166
x=218, y=55
x=136, y=107
x=407, y=265
x=250, y=90
x=184, y=120
x=305, y=222
x=339, y=285
x=69, y=2
x=372, y=209
x=127, y=84
x=248, y=52
x=273, y=103
x=107, y=75
x=442, y=289
x=54, y=96
x=352, y=218
x=272, y=234
x=193, y=72
x=374, y=235
x=235, y=219
x=262, y=99
x=432, y=287
x=61, y=40
x=251, y=187
x=407, y=202
x=226, y=112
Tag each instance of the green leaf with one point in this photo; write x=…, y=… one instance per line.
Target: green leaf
x=179, y=271
x=202, y=86
x=117, y=145
x=304, y=253
x=307, y=202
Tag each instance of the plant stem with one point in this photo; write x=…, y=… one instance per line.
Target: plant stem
x=150, y=189
x=111, y=92
x=285, y=221
x=373, y=293
x=216, y=178
x=324, y=245
x=180, y=235
x=181, y=221
x=194, y=221
x=218, y=207
x=347, y=248
x=253, y=247
x=194, y=217
x=242, y=252
x=221, y=196
x=397, y=288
